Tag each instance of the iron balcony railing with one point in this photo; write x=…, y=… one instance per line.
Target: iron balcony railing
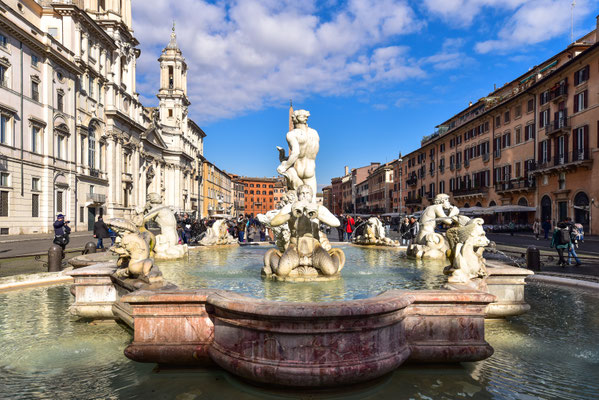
x=565, y=158
x=515, y=184
x=558, y=125
x=470, y=191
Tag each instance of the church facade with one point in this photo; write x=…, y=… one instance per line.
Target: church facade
x=74, y=136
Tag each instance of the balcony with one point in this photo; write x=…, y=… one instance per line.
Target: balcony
x=559, y=125
x=466, y=163
x=515, y=186
x=486, y=157
x=566, y=161
x=412, y=181
x=559, y=94
x=473, y=192
x=96, y=198
x=458, y=166
x=413, y=200
x=432, y=172
x=451, y=167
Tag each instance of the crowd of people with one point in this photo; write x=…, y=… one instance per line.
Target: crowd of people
x=245, y=228
x=565, y=239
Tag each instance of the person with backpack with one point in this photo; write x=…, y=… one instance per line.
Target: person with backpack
x=561, y=241
x=61, y=232
x=574, y=242
x=349, y=227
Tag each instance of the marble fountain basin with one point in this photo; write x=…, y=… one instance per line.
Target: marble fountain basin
x=359, y=336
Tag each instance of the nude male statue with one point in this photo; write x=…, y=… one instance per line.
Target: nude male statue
x=299, y=167
x=442, y=211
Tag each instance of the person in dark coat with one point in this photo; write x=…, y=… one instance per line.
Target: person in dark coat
x=61, y=232
x=100, y=232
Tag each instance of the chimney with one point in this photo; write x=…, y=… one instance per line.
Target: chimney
x=470, y=104
x=346, y=170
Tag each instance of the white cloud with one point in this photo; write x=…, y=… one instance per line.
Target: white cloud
x=245, y=54
x=535, y=22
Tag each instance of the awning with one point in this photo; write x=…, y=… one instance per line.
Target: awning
x=495, y=210
x=549, y=66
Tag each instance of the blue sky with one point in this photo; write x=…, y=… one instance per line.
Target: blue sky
x=376, y=75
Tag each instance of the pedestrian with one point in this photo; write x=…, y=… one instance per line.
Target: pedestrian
x=112, y=235
x=186, y=228
x=536, y=228
x=511, y=227
x=573, y=231
x=342, y=221
x=61, y=232
x=349, y=227
x=241, y=224
x=561, y=241
x=413, y=229
x=580, y=232
x=100, y=232
x=404, y=231
x=262, y=234
x=546, y=225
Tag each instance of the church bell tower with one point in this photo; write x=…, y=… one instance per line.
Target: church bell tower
x=173, y=84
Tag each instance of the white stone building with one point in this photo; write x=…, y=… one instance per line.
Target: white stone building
x=74, y=137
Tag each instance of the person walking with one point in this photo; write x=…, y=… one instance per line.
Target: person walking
x=413, y=229
x=404, y=231
x=100, y=232
x=349, y=227
x=536, y=228
x=61, y=232
x=561, y=241
x=341, y=227
x=573, y=231
x=546, y=225
x=511, y=227
x=241, y=224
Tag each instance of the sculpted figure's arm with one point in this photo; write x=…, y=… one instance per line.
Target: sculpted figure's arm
x=294, y=151
x=440, y=214
x=154, y=213
x=282, y=217
x=326, y=217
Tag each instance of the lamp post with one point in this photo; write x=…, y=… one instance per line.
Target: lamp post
x=399, y=160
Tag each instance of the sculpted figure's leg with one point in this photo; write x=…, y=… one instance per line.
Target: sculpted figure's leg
x=271, y=261
x=288, y=261
x=324, y=262
x=293, y=179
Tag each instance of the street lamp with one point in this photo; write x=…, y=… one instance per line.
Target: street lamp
x=399, y=160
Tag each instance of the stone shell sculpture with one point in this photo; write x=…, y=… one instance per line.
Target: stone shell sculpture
x=133, y=250
x=373, y=234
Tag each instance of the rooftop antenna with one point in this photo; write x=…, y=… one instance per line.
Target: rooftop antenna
x=572, y=21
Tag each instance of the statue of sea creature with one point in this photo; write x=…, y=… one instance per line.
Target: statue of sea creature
x=134, y=252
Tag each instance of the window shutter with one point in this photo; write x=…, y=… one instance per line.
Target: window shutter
x=566, y=147
x=540, y=156
x=586, y=139
x=585, y=97
x=576, y=80
x=575, y=140
x=548, y=149
x=575, y=103
x=586, y=73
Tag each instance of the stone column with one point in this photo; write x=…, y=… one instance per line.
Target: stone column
x=85, y=47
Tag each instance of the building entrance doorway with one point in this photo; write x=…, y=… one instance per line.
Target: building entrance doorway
x=581, y=210
x=545, y=208
x=562, y=210
x=91, y=218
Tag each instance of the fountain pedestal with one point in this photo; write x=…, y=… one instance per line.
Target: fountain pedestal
x=507, y=284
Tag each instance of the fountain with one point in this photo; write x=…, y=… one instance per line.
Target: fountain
x=291, y=333
x=372, y=233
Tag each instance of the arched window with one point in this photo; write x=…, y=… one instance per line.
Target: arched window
x=545, y=208
x=581, y=209
x=523, y=201
x=466, y=205
x=492, y=203
x=478, y=204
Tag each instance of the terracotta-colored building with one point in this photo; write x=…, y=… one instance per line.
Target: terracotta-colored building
x=327, y=197
x=531, y=142
x=337, y=194
x=259, y=194
x=380, y=189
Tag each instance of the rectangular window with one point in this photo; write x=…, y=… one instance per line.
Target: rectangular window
x=3, y=41
x=35, y=184
x=529, y=132
x=34, y=60
x=3, y=203
x=544, y=97
x=3, y=80
x=580, y=101
x=4, y=128
x=530, y=105
x=91, y=151
x=498, y=120
x=544, y=118
x=91, y=87
x=59, y=201
x=59, y=145
x=518, y=135
x=518, y=167
x=81, y=214
x=4, y=179
x=582, y=75
x=35, y=205
x=59, y=102
x=35, y=139
x=518, y=111
x=35, y=91
x=506, y=117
